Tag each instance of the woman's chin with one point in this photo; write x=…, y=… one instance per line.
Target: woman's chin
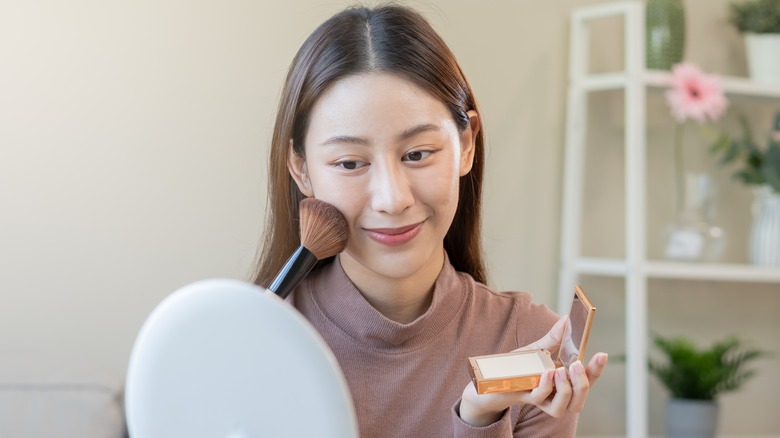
x=397, y=264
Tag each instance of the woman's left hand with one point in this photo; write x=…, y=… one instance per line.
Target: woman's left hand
x=570, y=387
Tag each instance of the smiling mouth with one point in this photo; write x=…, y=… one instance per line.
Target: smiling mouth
x=395, y=236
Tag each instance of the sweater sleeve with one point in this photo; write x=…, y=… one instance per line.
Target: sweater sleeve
x=534, y=423
x=500, y=429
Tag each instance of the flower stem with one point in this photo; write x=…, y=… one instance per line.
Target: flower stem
x=679, y=168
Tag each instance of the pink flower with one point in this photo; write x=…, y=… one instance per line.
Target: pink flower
x=695, y=95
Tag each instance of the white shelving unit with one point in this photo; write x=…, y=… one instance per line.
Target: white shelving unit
x=634, y=81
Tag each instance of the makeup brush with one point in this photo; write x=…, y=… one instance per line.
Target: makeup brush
x=323, y=234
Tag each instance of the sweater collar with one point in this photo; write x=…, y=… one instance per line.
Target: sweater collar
x=343, y=304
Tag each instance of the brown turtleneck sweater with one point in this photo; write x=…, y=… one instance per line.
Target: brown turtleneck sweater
x=406, y=379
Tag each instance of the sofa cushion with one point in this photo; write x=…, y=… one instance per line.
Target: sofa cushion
x=46, y=395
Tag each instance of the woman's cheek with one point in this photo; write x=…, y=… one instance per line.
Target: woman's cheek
x=345, y=196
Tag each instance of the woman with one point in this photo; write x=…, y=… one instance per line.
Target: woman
x=377, y=119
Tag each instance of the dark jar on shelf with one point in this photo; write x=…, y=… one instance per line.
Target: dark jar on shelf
x=665, y=33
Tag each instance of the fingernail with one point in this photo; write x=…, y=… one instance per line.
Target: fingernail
x=561, y=373
x=577, y=368
x=603, y=358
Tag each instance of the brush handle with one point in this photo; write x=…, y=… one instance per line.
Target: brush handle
x=294, y=270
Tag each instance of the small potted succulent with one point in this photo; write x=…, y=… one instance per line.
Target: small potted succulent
x=759, y=21
x=696, y=377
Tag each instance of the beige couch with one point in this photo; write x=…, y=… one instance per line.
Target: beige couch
x=48, y=395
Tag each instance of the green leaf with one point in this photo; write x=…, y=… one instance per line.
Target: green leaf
x=757, y=16
x=756, y=165
x=770, y=170
x=692, y=373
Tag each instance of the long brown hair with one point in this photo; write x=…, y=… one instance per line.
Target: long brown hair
x=391, y=39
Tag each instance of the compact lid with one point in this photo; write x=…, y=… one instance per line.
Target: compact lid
x=575, y=338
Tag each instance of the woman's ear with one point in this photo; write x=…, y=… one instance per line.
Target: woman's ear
x=296, y=164
x=468, y=142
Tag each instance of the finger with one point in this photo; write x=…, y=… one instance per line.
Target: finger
x=552, y=340
x=563, y=392
x=580, y=386
x=539, y=395
x=545, y=388
x=596, y=366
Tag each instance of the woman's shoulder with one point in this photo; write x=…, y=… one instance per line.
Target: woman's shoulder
x=534, y=319
x=521, y=299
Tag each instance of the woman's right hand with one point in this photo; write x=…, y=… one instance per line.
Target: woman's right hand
x=570, y=387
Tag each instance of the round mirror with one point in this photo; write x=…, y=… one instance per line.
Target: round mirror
x=223, y=358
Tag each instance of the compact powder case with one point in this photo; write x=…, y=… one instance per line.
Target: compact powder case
x=522, y=370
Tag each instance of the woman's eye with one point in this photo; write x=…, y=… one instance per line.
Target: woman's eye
x=416, y=155
x=350, y=164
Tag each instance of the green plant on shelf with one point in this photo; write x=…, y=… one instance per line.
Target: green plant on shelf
x=757, y=164
x=702, y=374
x=756, y=16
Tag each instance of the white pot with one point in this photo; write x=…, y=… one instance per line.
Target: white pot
x=691, y=418
x=765, y=231
x=762, y=56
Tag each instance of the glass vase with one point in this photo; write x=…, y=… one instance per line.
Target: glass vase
x=765, y=231
x=665, y=33
x=693, y=235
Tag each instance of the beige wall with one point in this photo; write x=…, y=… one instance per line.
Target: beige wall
x=133, y=138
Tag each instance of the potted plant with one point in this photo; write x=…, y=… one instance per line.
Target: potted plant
x=696, y=377
x=758, y=165
x=759, y=21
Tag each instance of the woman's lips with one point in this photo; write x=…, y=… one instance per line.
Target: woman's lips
x=395, y=236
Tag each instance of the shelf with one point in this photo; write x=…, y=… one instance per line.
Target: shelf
x=681, y=270
x=733, y=86
x=712, y=272
x=635, y=83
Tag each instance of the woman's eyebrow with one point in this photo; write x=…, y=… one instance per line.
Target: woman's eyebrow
x=407, y=134
x=419, y=129
x=348, y=139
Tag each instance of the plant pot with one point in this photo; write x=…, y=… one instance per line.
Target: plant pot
x=765, y=231
x=691, y=418
x=762, y=55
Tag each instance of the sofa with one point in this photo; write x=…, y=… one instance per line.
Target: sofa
x=57, y=395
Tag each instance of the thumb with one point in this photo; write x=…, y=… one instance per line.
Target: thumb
x=552, y=340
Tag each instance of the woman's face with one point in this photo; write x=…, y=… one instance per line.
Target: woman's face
x=389, y=156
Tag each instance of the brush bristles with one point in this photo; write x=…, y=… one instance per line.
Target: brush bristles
x=323, y=228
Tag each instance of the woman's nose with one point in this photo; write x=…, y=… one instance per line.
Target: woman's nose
x=391, y=191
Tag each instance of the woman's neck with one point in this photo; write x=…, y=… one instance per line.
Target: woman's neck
x=402, y=300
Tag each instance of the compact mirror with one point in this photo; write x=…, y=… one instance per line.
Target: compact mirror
x=226, y=359
x=522, y=370
x=575, y=339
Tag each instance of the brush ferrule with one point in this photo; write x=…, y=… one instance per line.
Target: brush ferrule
x=294, y=270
